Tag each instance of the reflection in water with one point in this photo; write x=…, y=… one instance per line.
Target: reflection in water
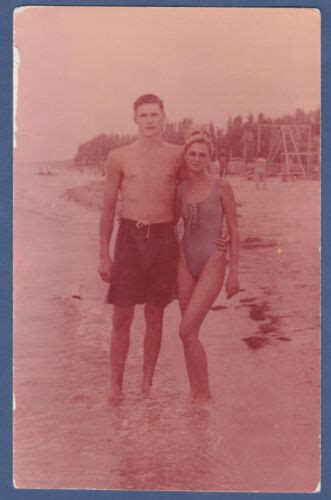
x=162, y=446
x=61, y=358
x=158, y=443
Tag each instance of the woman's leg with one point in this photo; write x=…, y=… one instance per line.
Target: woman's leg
x=206, y=290
x=185, y=287
x=185, y=282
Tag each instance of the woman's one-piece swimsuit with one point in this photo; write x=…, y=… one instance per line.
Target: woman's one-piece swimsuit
x=202, y=226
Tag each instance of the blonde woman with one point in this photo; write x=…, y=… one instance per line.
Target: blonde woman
x=204, y=201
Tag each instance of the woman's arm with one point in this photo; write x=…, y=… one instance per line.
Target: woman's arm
x=230, y=212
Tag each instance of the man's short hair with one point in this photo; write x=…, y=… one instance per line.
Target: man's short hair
x=147, y=99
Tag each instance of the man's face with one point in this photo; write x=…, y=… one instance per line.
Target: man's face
x=150, y=119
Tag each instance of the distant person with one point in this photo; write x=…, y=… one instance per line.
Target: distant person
x=214, y=166
x=260, y=171
x=146, y=252
x=203, y=202
x=223, y=165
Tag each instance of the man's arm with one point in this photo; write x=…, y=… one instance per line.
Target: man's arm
x=112, y=186
x=182, y=168
x=177, y=203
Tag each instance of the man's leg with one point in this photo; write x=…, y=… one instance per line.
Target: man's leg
x=120, y=339
x=152, y=344
x=160, y=284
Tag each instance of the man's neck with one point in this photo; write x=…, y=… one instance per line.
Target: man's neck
x=146, y=143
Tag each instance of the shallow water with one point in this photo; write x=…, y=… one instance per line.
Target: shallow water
x=264, y=401
x=75, y=440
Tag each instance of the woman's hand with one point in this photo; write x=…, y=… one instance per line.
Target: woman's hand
x=232, y=285
x=222, y=243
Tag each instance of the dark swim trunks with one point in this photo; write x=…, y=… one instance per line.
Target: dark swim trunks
x=145, y=264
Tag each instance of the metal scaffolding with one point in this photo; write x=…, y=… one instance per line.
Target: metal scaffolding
x=292, y=144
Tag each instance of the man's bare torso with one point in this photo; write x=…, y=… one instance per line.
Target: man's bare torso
x=149, y=181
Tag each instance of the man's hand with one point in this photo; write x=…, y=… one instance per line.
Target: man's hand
x=232, y=285
x=223, y=243
x=105, y=268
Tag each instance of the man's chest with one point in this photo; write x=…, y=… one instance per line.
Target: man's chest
x=151, y=171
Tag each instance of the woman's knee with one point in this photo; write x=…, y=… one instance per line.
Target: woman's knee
x=187, y=332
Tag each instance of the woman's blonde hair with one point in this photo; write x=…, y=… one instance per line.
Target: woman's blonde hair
x=198, y=133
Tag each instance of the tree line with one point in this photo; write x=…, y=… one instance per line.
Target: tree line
x=238, y=139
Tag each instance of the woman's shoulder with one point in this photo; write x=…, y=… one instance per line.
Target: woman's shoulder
x=223, y=183
x=225, y=188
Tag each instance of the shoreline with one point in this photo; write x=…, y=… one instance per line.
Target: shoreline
x=262, y=431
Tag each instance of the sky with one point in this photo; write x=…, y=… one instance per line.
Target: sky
x=78, y=70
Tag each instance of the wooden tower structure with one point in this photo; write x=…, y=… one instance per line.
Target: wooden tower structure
x=290, y=143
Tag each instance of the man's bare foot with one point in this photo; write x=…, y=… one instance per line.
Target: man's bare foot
x=192, y=395
x=112, y=398
x=114, y=395
x=202, y=400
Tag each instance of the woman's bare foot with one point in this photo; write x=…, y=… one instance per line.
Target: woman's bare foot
x=145, y=389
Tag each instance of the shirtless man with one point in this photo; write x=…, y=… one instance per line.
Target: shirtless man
x=145, y=260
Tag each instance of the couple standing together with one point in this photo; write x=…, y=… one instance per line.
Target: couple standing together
x=148, y=260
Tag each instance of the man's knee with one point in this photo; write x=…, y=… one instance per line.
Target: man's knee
x=122, y=320
x=154, y=317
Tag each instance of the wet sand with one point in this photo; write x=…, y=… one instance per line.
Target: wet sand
x=261, y=432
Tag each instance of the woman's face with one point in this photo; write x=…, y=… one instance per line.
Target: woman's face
x=197, y=157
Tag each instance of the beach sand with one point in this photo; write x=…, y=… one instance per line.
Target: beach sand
x=261, y=431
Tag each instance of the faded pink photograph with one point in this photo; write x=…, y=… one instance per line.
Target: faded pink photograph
x=167, y=249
